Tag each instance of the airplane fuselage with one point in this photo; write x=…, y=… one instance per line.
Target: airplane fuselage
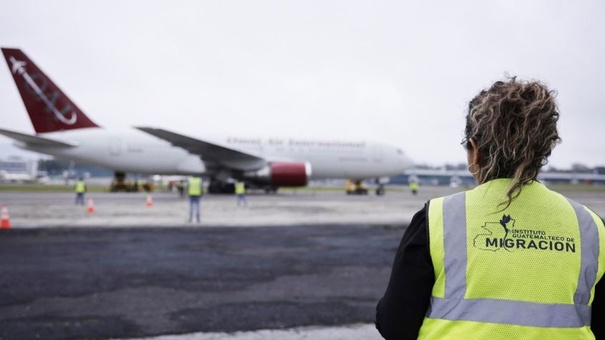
x=134, y=151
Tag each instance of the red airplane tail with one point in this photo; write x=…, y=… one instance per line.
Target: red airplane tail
x=48, y=107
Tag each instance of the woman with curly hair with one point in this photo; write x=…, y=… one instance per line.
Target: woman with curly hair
x=509, y=259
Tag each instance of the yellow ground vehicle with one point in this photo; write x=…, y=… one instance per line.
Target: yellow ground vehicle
x=355, y=188
x=121, y=184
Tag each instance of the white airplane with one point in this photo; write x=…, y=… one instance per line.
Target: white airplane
x=64, y=131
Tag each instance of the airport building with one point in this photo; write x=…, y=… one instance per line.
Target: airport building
x=456, y=178
x=19, y=166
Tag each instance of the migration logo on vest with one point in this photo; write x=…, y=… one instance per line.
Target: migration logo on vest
x=495, y=236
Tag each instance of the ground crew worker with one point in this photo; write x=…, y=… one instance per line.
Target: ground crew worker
x=509, y=259
x=195, y=191
x=414, y=187
x=181, y=188
x=80, y=189
x=240, y=192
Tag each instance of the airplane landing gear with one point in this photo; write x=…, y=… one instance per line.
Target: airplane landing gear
x=218, y=187
x=271, y=189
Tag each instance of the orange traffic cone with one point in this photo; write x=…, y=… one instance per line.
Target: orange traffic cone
x=91, y=206
x=149, y=201
x=6, y=223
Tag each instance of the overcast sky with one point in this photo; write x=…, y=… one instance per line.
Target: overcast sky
x=400, y=72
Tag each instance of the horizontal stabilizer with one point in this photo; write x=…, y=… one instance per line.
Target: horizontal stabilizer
x=209, y=152
x=35, y=140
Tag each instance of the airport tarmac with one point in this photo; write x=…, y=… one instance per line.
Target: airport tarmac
x=302, y=207
x=313, y=266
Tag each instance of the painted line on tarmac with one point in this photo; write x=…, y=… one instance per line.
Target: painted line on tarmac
x=350, y=332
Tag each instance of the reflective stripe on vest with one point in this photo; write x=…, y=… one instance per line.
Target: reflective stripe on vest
x=455, y=307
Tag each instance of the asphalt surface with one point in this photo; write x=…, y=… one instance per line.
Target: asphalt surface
x=105, y=283
x=298, y=265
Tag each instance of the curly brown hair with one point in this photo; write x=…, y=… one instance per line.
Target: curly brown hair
x=514, y=125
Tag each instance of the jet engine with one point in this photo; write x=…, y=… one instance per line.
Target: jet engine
x=281, y=174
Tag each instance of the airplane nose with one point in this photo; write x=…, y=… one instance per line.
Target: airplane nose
x=405, y=162
x=401, y=161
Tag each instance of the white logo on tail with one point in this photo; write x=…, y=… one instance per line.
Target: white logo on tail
x=19, y=67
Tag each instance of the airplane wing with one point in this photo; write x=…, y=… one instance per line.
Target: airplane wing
x=209, y=152
x=36, y=140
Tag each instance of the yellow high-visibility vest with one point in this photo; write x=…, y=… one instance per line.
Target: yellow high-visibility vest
x=240, y=188
x=80, y=186
x=195, y=186
x=525, y=272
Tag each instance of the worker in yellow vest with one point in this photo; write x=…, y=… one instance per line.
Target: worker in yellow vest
x=195, y=190
x=414, y=187
x=509, y=259
x=240, y=192
x=80, y=189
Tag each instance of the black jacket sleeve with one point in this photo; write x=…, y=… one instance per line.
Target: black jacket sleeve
x=597, y=323
x=401, y=311
x=598, y=311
